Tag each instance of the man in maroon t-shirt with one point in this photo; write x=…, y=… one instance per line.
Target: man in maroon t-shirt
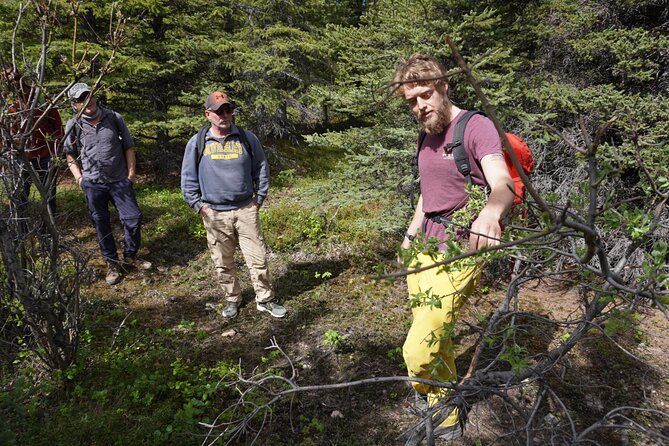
x=43, y=142
x=428, y=350
x=442, y=186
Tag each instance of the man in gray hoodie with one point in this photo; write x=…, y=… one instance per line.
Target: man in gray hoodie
x=225, y=178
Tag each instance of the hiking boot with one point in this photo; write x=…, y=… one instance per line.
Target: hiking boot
x=448, y=433
x=272, y=308
x=136, y=262
x=229, y=310
x=420, y=402
x=113, y=273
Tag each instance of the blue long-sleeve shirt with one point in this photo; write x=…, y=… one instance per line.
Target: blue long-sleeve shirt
x=226, y=177
x=101, y=148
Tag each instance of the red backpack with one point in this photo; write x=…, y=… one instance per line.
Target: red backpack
x=461, y=157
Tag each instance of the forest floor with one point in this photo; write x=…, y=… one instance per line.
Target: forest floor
x=154, y=351
x=343, y=326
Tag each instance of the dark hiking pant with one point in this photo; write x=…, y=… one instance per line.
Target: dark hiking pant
x=122, y=196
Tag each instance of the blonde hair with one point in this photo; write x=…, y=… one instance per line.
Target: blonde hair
x=423, y=70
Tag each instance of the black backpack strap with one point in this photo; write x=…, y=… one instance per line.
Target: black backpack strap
x=421, y=139
x=76, y=136
x=414, y=164
x=414, y=160
x=201, y=140
x=117, y=119
x=117, y=123
x=245, y=142
x=458, y=145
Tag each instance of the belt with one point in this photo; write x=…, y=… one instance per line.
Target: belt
x=439, y=219
x=442, y=218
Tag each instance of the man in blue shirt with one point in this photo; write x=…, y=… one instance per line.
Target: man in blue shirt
x=225, y=178
x=101, y=157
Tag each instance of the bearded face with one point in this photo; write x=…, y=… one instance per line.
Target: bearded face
x=430, y=106
x=438, y=119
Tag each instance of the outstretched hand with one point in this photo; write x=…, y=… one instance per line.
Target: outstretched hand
x=485, y=231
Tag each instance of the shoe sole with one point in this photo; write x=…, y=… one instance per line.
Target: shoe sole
x=448, y=433
x=128, y=268
x=263, y=309
x=230, y=317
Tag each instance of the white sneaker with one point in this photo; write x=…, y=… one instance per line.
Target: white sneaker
x=272, y=308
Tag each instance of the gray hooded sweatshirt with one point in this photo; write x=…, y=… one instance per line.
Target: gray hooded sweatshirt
x=226, y=177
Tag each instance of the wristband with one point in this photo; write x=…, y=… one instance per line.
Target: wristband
x=409, y=236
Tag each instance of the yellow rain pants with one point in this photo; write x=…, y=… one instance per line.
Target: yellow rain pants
x=426, y=354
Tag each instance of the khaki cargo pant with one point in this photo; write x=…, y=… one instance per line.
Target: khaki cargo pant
x=226, y=230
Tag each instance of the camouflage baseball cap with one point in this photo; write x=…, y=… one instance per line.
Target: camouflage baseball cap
x=77, y=90
x=216, y=100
